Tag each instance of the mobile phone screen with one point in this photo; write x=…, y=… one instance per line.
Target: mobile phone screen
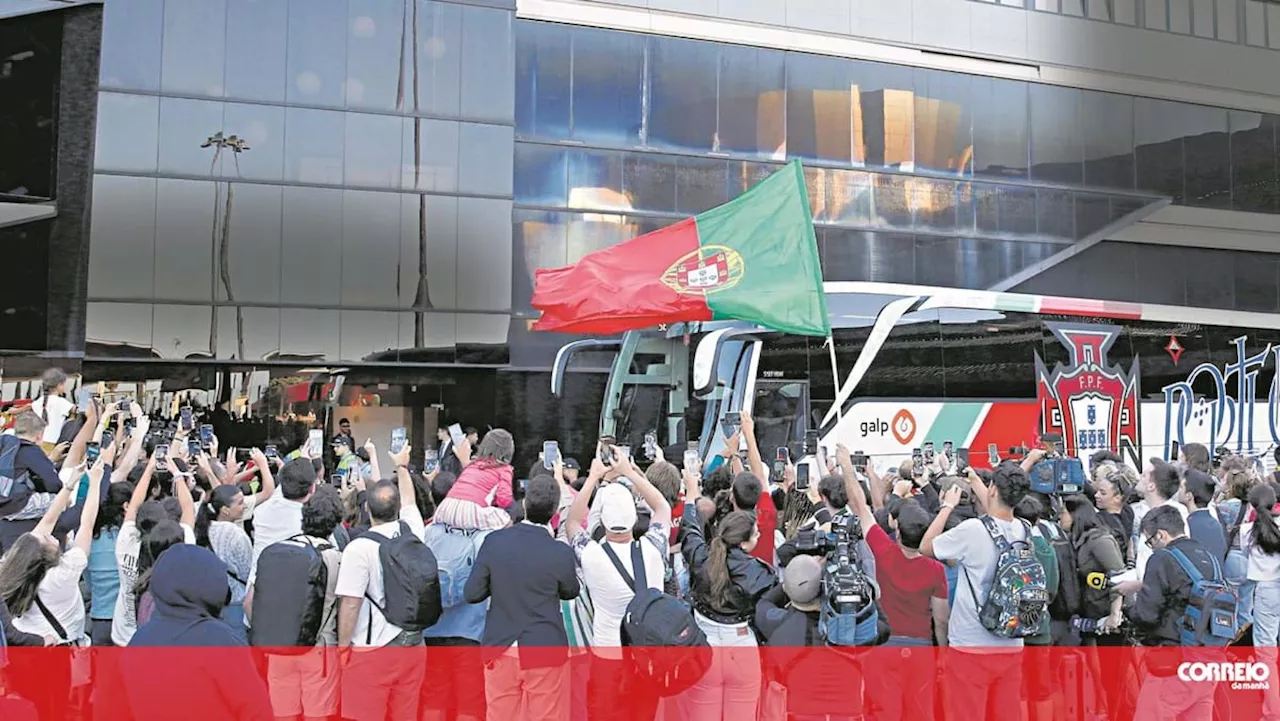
x=781, y=456
x=107, y=438
x=624, y=451
x=731, y=423
x=811, y=442
x=993, y=455
x=455, y=434
x=83, y=399
x=91, y=451
x=398, y=438
x=859, y=461
x=185, y=418
x=690, y=459
x=550, y=454
x=315, y=442
x=802, y=476
x=430, y=460
x=1176, y=451
x=928, y=452
x=962, y=459
x=271, y=451
x=206, y=434
x=162, y=452
x=194, y=448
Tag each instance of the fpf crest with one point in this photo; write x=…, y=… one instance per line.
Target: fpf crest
x=1093, y=404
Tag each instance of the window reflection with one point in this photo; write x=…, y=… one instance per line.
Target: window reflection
x=313, y=149
x=119, y=327
x=682, y=111
x=373, y=150
x=435, y=167
x=251, y=333
x=818, y=102
x=122, y=228
x=256, y=49
x=595, y=179
x=484, y=158
x=181, y=331
x=253, y=261
x=608, y=86
x=308, y=334
x=440, y=49
x=751, y=113
x=262, y=128
x=540, y=174
x=1057, y=153
x=375, y=36
x=543, y=88
x=701, y=184
x=943, y=127
x=1158, y=133
x=128, y=134
x=317, y=55
x=484, y=254
x=311, y=246
x=1106, y=120
x=185, y=125
x=365, y=335
x=194, y=46
x=185, y=240
x=428, y=252
x=1207, y=153
x=1000, y=128
x=487, y=80
x=132, y=33
x=371, y=248
x=1253, y=162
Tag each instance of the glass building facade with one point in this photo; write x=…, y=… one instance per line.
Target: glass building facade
x=289, y=191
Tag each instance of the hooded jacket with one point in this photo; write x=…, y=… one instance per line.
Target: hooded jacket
x=218, y=681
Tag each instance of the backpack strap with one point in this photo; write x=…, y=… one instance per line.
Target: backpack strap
x=1190, y=568
x=617, y=563
x=53, y=620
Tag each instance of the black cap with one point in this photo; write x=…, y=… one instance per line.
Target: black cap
x=340, y=439
x=572, y=464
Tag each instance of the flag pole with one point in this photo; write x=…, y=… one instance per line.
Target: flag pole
x=835, y=375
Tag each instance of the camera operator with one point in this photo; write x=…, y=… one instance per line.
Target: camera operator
x=813, y=682
x=835, y=503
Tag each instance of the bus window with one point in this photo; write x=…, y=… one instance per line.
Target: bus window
x=779, y=414
x=989, y=354
x=909, y=364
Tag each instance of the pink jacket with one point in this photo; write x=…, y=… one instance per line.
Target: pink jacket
x=484, y=483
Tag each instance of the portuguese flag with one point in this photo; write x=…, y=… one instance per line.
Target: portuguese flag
x=754, y=258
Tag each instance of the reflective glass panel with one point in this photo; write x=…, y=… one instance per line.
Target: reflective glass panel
x=1253, y=162
x=487, y=75
x=484, y=158
x=128, y=132
x=186, y=238
x=1158, y=146
x=132, y=33
x=1000, y=137
x=1107, y=124
x=440, y=49
x=317, y=55
x=251, y=257
x=374, y=150
x=428, y=252
x=543, y=85
x=311, y=246
x=185, y=126
x=1057, y=152
x=883, y=104
x=943, y=124
x=261, y=127
x=540, y=175
x=608, y=86
x=1207, y=154
x=376, y=44
x=819, y=98
x=123, y=232
x=313, y=148
x=435, y=165
x=194, y=47
x=683, y=92
x=257, y=34
x=371, y=248
x=484, y=254
x=752, y=98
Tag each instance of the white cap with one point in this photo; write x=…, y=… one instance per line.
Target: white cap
x=617, y=508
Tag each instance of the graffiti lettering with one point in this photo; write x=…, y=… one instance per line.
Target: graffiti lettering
x=1223, y=414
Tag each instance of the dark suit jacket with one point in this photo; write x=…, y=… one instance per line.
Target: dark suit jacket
x=524, y=573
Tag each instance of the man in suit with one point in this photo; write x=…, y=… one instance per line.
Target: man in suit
x=525, y=573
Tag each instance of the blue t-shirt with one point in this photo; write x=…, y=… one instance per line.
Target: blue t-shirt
x=1207, y=531
x=104, y=575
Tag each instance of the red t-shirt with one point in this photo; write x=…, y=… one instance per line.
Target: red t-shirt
x=767, y=521
x=906, y=585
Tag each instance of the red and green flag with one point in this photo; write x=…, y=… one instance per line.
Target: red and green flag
x=754, y=259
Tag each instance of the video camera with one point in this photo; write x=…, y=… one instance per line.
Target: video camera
x=1056, y=474
x=848, y=615
x=845, y=529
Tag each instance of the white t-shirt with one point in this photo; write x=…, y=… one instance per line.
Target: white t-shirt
x=1261, y=566
x=275, y=519
x=361, y=573
x=973, y=549
x=60, y=592
x=124, y=621
x=610, y=593
x=59, y=407
x=1143, y=551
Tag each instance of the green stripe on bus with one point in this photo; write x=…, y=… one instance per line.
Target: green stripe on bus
x=953, y=423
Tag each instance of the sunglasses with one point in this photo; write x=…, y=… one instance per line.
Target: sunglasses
x=1150, y=541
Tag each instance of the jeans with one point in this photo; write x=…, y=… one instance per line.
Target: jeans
x=1234, y=571
x=901, y=686
x=730, y=690
x=1266, y=631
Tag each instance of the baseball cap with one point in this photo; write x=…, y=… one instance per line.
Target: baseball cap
x=617, y=508
x=802, y=579
x=340, y=440
x=572, y=464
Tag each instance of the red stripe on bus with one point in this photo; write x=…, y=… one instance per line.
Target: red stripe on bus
x=1104, y=308
x=1008, y=424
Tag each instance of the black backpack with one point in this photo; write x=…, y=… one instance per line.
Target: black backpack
x=671, y=653
x=15, y=489
x=290, y=578
x=410, y=581
x=1069, y=599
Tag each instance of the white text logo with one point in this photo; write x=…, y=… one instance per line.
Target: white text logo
x=1239, y=675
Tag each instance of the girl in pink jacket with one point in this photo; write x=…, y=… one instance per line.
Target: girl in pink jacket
x=482, y=493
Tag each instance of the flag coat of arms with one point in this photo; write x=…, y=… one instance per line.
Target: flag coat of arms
x=754, y=259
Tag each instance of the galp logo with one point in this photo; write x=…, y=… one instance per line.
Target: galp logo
x=903, y=426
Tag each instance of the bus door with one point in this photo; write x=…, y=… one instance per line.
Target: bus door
x=724, y=375
x=648, y=386
x=781, y=414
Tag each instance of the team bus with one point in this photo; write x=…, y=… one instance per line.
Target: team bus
x=920, y=365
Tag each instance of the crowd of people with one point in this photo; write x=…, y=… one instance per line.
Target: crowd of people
x=471, y=591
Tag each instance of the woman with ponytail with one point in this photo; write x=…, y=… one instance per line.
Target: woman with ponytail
x=726, y=581
x=1260, y=540
x=217, y=530
x=1238, y=480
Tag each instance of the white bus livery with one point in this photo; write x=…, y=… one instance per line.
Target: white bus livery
x=920, y=364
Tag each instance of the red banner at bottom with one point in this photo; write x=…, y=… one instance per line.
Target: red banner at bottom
x=731, y=683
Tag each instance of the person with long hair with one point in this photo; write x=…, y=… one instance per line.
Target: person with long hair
x=1260, y=541
x=725, y=583
x=1239, y=479
x=40, y=583
x=479, y=498
x=104, y=572
x=217, y=530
